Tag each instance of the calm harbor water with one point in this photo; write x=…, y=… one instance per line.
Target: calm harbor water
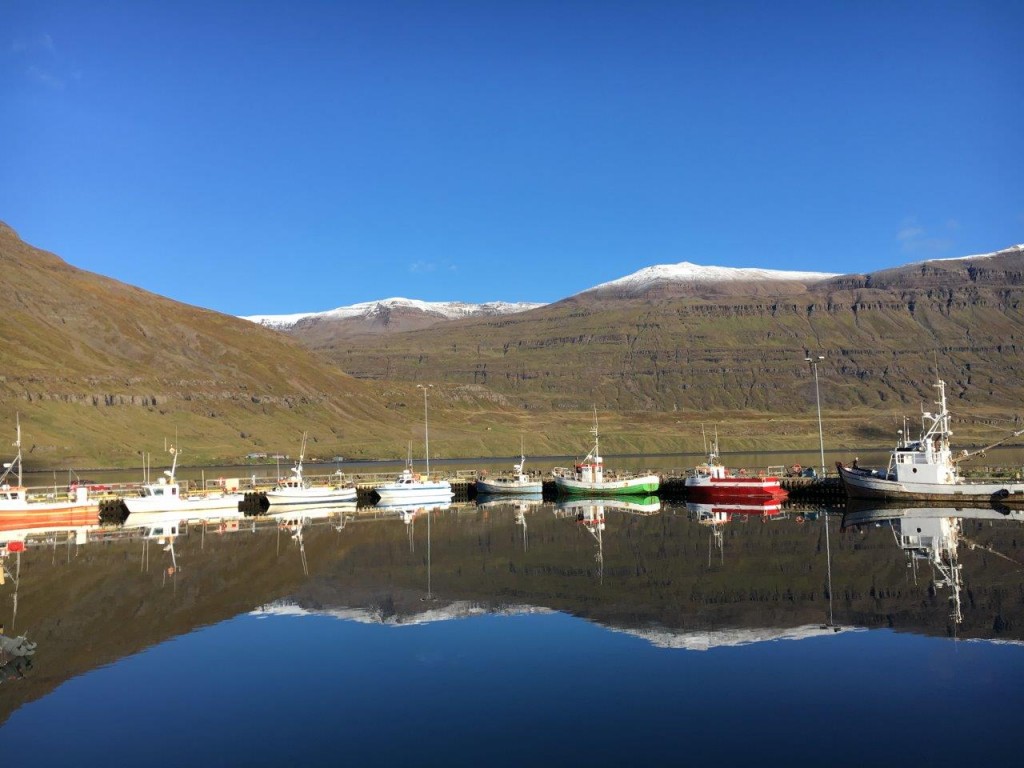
x=511, y=632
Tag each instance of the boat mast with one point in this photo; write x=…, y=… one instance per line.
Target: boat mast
x=17, y=457
x=17, y=443
x=298, y=466
x=174, y=465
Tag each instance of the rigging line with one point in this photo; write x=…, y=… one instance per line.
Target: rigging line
x=980, y=451
x=976, y=545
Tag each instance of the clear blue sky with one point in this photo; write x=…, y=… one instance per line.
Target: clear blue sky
x=274, y=157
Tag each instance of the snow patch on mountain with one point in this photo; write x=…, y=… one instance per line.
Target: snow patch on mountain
x=686, y=272
x=460, y=609
x=450, y=310
x=1004, y=252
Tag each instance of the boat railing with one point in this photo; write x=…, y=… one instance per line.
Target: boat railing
x=49, y=493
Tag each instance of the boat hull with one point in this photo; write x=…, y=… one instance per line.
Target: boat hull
x=415, y=493
x=51, y=516
x=499, y=485
x=307, y=496
x=862, y=484
x=645, y=484
x=734, y=489
x=187, y=508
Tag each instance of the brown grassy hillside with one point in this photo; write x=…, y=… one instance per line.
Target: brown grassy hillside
x=737, y=353
x=100, y=370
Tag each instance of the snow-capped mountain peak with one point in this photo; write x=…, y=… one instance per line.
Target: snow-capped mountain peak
x=687, y=272
x=1004, y=252
x=449, y=310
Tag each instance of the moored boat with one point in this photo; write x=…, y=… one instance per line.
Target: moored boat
x=712, y=482
x=409, y=487
x=165, y=496
x=587, y=477
x=297, y=489
x=926, y=470
x=517, y=481
x=25, y=507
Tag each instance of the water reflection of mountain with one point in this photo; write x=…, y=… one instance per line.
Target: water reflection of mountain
x=92, y=604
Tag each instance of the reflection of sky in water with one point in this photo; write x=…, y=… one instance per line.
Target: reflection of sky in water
x=506, y=689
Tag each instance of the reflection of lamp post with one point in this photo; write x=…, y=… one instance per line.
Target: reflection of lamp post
x=817, y=398
x=821, y=443
x=426, y=424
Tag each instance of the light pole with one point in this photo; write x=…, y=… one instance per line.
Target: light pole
x=426, y=424
x=817, y=399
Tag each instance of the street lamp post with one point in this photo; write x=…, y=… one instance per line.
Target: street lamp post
x=817, y=399
x=821, y=443
x=426, y=424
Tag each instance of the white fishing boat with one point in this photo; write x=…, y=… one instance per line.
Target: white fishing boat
x=31, y=507
x=409, y=487
x=516, y=482
x=587, y=477
x=925, y=469
x=165, y=495
x=297, y=489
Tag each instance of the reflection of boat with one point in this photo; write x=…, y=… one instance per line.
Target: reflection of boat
x=517, y=481
x=714, y=516
x=521, y=501
x=725, y=511
x=298, y=490
x=309, y=512
x=931, y=535
x=23, y=508
x=587, y=477
x=925, y=469
x=864, y=513
x=406, y=509
x=15, y=657
x=590, y=514
x=711, y=482
x=164, y=496
x=637, y=505
x=78, y=534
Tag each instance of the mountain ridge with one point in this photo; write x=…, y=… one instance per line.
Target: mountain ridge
x=654, y=280
x=100, y=371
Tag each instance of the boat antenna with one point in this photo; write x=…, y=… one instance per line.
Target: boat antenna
x=174, y=463
x=704, y=437
x=593, y=431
